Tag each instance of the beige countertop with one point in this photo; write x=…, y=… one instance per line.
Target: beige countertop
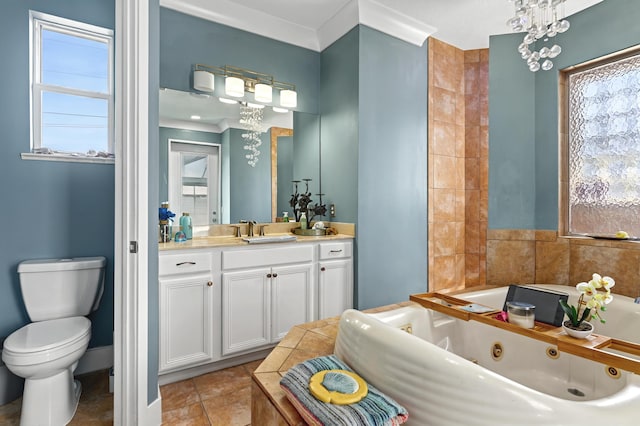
x=225, y=241
x=223, y=236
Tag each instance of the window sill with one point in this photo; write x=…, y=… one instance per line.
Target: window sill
x=66, y=158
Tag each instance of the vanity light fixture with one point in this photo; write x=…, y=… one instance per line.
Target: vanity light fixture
x=263, y=93
x=203, y=81
x=227, y=100
x=252, y=105
x=234, y=86
x=542, y=20
x=238, y=81
x=280, y=110
x=288, y=98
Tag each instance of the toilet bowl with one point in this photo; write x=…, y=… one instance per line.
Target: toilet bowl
x=46, y=353
x=57, y=293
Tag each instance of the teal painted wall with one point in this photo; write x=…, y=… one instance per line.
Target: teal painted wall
x=50, y=209
x=250, y=193
x=306, y=159
x=392, y=170
x=511, y=136
x=339, y=125
x=186, y=40
x=523, y=114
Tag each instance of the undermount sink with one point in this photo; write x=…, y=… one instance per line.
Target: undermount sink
x=269, y=239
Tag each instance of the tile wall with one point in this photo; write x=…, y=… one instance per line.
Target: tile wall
x=529, y=256
x=458, y=166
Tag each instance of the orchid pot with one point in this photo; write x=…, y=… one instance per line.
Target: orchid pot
x=594, y=295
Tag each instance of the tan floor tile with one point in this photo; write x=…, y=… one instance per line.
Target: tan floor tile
x=190, y=415
x=233, y=409
x=179, y=394
x=222, y=382
x=10, y=413
x=251, y=366
x=95, y=409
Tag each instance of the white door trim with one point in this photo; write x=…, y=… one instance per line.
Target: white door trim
x=131, y=208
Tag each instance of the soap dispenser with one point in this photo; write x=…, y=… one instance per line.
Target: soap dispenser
x=185, y=224
x=303, y=221
x=285, y=216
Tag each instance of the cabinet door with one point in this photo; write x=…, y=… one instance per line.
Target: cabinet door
x=245, y=310
x=185, y=321
x=335, y=287
x=292, y=298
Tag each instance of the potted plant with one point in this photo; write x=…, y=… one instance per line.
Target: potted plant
x=597, y=293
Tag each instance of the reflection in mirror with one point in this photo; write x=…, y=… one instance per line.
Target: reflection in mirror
x=259, y=193
x=195, y=168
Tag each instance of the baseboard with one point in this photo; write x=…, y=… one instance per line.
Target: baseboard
x=95, y=359
x=187, y=373
x=154, y=411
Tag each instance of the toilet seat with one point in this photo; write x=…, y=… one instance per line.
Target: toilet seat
x=45, y=341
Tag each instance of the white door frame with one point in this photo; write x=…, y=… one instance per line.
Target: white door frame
x=130, y=338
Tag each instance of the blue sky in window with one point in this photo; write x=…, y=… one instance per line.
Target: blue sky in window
x=74, y=123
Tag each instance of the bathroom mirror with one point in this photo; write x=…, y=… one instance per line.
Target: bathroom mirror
x=290, y=151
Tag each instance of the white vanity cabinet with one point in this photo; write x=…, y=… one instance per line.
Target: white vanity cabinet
x=187, y=295
x=265, y=292
x=335, y=278
x=226, y=303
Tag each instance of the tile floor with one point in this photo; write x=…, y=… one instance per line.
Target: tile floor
x=219, y=398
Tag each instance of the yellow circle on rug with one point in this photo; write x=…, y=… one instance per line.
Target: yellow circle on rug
x=340, y=387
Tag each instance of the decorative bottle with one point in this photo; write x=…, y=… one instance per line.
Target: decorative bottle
x=303, y=221
x=285, y=216
x=185, y=224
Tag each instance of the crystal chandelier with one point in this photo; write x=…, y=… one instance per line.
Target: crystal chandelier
x=251, y=120
x=542, y=20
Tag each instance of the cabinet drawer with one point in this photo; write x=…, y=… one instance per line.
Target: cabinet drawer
x=184, y=263
x=335, y=250
x=294, y=253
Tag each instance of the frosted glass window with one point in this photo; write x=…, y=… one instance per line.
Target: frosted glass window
x=604, y=148
x=71, y=87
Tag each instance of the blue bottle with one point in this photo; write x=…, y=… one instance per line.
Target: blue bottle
x=185, y=224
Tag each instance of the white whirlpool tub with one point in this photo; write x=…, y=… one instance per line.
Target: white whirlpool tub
x=447, y=372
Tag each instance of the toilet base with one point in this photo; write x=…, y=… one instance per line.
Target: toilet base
x=50, y=401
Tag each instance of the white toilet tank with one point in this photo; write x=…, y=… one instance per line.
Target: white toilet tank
x=60, y=288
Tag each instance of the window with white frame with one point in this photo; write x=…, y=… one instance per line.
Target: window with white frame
x=71, y=88
x=603, y=164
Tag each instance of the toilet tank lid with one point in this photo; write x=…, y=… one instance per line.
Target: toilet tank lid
x=68, y=264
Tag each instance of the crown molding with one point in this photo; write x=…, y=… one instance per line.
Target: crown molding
x=367, y=12
x=247, y=19
x=394, y=23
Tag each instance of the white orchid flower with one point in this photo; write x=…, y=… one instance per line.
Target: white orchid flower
x=603, y=298
x=588, y=289
x=593, y=303
x=608, y=282
x=602, y=282
x=596, y=281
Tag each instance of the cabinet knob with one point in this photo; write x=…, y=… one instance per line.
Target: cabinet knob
x=210, y=283
x=268, y=275
x=323, y=269
x=275, y=275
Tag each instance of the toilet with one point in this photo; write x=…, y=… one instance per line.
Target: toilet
x=58, y=294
